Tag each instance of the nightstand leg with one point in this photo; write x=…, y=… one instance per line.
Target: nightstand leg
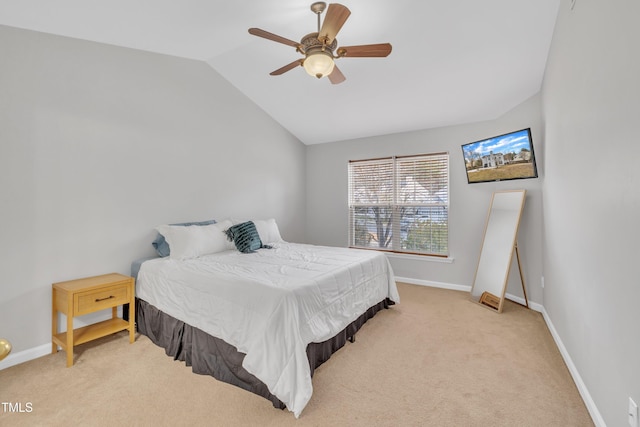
x=132, y=322
x=54, y=323
x=69, y=340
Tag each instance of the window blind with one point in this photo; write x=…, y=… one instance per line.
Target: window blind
x=400, y=204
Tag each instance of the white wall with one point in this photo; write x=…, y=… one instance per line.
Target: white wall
x=99, y=144
x=591, y=108
x=327, y=210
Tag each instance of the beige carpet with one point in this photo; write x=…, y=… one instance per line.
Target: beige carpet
x=436, y=359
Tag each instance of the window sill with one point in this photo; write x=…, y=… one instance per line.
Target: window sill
x=447, y=260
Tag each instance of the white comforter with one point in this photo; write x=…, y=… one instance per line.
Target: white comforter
x=271, y=304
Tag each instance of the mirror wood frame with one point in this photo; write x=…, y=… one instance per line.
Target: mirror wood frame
x=499, y=244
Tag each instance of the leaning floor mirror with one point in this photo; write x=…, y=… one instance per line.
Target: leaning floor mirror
x=498, y=248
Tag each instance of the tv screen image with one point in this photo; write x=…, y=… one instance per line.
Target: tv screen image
x=500, y=158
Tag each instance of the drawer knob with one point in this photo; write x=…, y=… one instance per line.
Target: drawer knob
x=106, y=298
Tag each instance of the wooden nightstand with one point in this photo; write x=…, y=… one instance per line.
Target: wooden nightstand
x=88, y=295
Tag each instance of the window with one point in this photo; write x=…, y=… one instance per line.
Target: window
x=400, y=204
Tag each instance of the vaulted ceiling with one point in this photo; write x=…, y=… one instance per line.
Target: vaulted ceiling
x=452, y=62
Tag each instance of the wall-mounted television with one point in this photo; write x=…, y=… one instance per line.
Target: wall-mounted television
x=500, y=158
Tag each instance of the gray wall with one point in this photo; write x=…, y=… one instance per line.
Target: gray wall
x=99, y=144
x=591, y=104
x=327, y=210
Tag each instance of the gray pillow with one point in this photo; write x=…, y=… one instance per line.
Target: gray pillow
x=162, y=247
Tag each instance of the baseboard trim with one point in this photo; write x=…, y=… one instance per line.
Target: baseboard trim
x=432, y=284
x=25, y=356
x=520, y=300
x=577, y=379
x=465, y=288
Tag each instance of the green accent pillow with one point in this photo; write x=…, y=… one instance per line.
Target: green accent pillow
x=245, y=237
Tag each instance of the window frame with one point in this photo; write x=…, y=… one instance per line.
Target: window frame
x=395, y=243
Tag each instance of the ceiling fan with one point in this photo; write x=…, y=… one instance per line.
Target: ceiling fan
x=321, y=49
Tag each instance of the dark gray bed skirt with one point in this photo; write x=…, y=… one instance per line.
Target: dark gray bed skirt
x=208, y=355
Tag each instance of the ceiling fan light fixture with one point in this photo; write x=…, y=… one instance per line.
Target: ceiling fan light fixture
x=318, y=63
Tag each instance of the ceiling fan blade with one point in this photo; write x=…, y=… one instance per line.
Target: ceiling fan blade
x=336, y=76
x=286, y=68
x=336, y=16
x=366, y=50
x=270, y=36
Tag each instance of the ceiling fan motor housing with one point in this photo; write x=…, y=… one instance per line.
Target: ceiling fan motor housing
x=310, y=41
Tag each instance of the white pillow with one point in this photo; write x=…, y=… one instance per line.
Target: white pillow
x=268, y=230
x=223, y=226
x=194, y=241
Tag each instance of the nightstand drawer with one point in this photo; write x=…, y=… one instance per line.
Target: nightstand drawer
x=100, y=299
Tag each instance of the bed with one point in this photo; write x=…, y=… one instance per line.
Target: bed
x=261, y=319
